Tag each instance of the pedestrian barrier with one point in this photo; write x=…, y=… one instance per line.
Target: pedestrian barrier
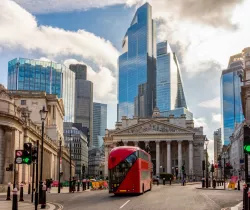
x=99, y=185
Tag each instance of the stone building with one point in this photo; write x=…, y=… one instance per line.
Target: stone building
x=96, y=162
x=173, y=142
x=19, y=123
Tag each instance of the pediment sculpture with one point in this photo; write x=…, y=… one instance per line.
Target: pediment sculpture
x=152, y=127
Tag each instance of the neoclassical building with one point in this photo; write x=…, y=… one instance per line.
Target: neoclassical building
x=20, y=122
x=173, y=142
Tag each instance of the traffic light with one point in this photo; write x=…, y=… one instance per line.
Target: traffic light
x=246, y=139
x=27, y=153
x=34, y=154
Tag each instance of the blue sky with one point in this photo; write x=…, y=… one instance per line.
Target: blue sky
x=100, y=21
x=91, y=32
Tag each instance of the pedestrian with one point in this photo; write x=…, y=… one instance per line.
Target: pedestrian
x=170, y=180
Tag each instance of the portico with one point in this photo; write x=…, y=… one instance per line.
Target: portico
x=173, y=143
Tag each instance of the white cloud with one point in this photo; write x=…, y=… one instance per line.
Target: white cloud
x=213, y=103
x=48, y=6
x=104, y=83
x=19, y=29
x=216, y=117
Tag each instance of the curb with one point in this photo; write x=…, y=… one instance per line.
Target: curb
x=55, y=206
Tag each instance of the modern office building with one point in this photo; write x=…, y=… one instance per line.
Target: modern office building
x=137, y=67
x=169, y=88
x=51, y=77
x=178, y=112
x=83, y=99
x=79, y=149
x=231, y=97
x=99, y=123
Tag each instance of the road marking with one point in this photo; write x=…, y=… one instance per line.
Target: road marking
x=124, y=204
x=210, y=199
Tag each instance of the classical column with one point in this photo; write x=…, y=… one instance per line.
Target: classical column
x=169, y=157
x=125, y=143
x=179, y=156
x=2, y=153
x=157, y=143
x=106, y=161
x=191, y=157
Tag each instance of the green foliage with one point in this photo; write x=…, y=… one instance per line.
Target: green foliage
x=166, y=176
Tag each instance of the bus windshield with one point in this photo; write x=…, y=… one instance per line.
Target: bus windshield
x=119, y=172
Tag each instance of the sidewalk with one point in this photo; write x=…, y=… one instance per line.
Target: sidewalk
x=54, y=190
x=26, y=206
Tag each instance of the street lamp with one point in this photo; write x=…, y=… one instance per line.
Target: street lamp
x=206, y=143
x=43, y=114
x=59, y=165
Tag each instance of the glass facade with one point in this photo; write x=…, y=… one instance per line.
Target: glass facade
x=169, y=89
x=99, y=123
x=231, y=100
x=36, y=75
x=137, y=67
x=178, y=112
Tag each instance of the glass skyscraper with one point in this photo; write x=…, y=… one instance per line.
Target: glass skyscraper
x=99, y=123
x=137, y=67
x=169, y=89
x=231, y=99
x=53, y=78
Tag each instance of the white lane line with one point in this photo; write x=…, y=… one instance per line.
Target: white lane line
x=124, y=204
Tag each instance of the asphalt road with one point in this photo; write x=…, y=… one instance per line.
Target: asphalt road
x=160, y=198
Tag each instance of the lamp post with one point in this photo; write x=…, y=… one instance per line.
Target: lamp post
x=206, y=143
x=59, y=165
x=43, y=114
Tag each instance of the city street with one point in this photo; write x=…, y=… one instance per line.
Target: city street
x=161, y=197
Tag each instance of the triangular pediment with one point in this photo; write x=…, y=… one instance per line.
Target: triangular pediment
x=153, y=126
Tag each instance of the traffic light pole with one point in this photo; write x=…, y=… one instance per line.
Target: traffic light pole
x=14, y=183
x=32, y=184
x=70, y=190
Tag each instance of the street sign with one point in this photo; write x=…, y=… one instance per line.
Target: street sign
x=19, y=153
x=19, y=160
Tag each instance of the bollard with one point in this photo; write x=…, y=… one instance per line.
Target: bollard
x=43, y=203
x=238, y=184
x=78, y=186
x=14, y=201
x=214, y=184
x=29, y=188
x=248, y=197
x=203, y=182
x=8, y=193
x=163, y=181
x=157, y=182
x=21, y=192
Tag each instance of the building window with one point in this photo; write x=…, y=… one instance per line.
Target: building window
x=23, y=102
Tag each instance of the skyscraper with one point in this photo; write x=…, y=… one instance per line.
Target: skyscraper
x=231, y=99
x=83, y=99
x=99, y=123
x=51, y=77
x=137, y=67
x=169, y=89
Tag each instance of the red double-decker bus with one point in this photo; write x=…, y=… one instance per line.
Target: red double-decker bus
x=130, y=170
